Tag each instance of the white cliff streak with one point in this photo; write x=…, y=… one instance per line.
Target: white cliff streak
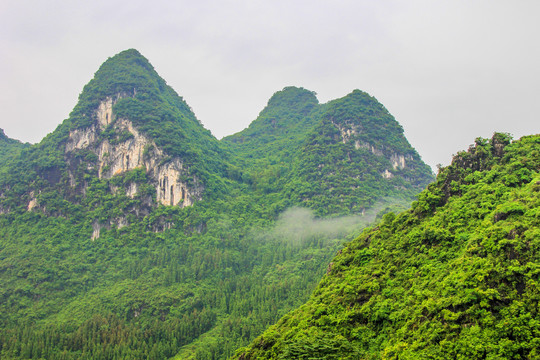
x=104, y=112
x=134, y=150
x=398, y=161
x=387, y=174
x=33, y=202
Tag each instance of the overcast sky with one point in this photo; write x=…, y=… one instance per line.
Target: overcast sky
x=449, y=71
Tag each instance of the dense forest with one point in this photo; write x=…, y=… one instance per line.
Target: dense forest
x=454, y=277
x=130, y=232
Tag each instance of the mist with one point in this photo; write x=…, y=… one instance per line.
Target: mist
x=299, y=225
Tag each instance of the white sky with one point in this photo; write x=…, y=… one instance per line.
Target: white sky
x=449, y=71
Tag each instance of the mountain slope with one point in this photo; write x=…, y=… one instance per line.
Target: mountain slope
x=454, y=277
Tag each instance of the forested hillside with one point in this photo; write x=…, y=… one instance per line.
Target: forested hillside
x=131, y=232
x=454, y=277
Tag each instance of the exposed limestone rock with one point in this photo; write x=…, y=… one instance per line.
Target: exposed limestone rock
x=373, y=149
x=33, y=202
x=96, y=230
x=170, y=190
x=132, y=190
x=346, y=134
x=162, y=226
x=398, y=161
x=104, y=112
x=119, y=223
x=131, y=150
x=347, y=131
x=387, y=174
x=349, y=134
x=119, y=157
x=81, y=138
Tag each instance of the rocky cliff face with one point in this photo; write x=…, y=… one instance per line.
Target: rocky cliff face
x=349, y=134
x=120, y=147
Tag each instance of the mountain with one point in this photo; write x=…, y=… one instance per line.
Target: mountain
x=336, y=158
x=131, y=232
x=456, y=276
x=355, y=156
x=126, y=119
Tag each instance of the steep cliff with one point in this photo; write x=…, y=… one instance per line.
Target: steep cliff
x=120, y=147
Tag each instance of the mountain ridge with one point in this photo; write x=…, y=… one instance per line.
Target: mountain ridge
x=127, y=117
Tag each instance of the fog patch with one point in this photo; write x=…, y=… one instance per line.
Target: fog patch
x=298, y=225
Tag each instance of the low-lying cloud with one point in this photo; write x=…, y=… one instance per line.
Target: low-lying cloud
x=298, y=225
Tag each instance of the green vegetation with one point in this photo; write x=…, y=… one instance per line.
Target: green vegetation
x=138, y=294
x=280, y=128
x=144, y=98
x=341, y=164
x=92, y=270
x=454, y=277
x=332, y=158
x=9, y=147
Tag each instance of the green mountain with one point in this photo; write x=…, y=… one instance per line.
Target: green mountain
x=129, y=132
x=131, y=232
x=454, y=277
x=337, y=158
x=355, y=155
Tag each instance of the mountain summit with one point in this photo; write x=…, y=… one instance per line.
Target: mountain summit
x=143, y=121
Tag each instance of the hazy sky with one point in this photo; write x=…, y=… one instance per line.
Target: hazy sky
x=449, y=71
